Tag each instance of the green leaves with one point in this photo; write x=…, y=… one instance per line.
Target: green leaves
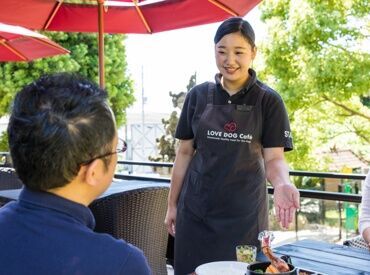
x=83, y=59
x=316, y=57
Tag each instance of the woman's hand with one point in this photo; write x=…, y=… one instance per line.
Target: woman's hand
x=286, y=201
x=286, y=195
x=170, y=220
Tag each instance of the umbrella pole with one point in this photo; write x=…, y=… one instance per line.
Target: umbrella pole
x=101, y=43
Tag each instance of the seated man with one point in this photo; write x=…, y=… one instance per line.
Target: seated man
x=63, y=142
x=364, y=221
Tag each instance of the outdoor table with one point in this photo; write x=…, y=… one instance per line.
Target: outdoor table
x=116, y=186
x=326, y=258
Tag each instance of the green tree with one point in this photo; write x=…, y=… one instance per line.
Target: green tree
x=4, y=142
x=316, y=56
x=167, y=143
x=83, y=59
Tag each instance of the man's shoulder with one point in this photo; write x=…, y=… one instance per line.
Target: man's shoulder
x=106, y=241
x=9, y=212
x=102, y=253
x=120, y=252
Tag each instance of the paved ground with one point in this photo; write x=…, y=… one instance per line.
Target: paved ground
x=318, y=232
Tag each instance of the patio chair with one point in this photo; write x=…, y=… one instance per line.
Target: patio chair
x=357, y=242
x=9, y=179
x=137, y=216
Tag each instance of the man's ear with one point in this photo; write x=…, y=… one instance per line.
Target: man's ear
x=91, y=173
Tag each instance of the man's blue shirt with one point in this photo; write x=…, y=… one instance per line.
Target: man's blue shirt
x=43, y=233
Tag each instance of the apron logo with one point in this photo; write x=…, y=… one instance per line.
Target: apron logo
x=230, y=127
x=229, y=134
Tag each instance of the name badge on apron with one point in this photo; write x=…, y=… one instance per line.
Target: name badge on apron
x=244, y=108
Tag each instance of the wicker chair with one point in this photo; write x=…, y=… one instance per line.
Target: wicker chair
x=357, y=242
x=137, y=216
x=9, y=179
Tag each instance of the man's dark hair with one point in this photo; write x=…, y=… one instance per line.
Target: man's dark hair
x=58, y=122
x=235, y=24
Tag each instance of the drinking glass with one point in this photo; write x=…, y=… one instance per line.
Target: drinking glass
x=246, y=253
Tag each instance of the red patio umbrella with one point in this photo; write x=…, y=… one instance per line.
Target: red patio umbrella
x=120, y=16
x=20, y=44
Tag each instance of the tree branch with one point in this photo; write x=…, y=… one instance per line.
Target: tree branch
x=360, y=133
x=338, y=47
x=351, y=111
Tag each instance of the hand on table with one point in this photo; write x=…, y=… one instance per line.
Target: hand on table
x=170, y=220
x=286, y=201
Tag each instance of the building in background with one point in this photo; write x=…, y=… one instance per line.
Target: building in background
x=344, y=161
x=140, y=134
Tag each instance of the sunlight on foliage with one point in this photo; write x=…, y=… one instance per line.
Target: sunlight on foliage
x=317, y=57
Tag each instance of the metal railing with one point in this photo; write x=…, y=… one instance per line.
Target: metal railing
x=305, y=193
x=339, y=197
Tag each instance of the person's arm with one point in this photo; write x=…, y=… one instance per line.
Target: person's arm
x=136, y=263
x=286, y=195
x=364, y=221
x=184, y=155
x=366, y=235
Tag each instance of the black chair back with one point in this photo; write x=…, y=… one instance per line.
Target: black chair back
x=137, y=216
x=9, y=179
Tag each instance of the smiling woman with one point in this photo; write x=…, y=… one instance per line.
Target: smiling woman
x=234, y=55
x=231, y=139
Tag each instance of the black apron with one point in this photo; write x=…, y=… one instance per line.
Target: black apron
x=223, y=201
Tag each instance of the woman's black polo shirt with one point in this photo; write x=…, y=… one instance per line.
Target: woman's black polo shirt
x=276, y=128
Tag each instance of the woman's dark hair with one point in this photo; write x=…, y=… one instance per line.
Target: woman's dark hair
x=235, y=24
x=58, y=122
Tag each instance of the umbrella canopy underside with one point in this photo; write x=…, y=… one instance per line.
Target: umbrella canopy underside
x=25, y=49
x=121, y=16
x=20, y=44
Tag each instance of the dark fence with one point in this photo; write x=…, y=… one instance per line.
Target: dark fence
x=305, y=193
